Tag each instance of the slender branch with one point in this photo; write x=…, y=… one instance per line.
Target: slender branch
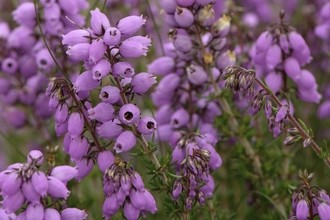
x=294, y=122
x=227, y=109
x=143, y=141
x=211, y=206
x=156, y=27
x=89, y=126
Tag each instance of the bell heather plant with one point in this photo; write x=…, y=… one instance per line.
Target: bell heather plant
x=148, y=109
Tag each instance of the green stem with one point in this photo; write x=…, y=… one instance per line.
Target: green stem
x=227, y=109
x=143, y=141
x=87, y=123
x=294, y=122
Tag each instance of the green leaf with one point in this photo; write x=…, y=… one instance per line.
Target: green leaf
x=173, y=175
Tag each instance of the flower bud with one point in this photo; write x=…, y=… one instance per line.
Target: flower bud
x=162, y=66
x=145, y=41
x=25, y=14
x=125, y=142
x=40, y=183
x=184, y=17
x=309, y=95
x=129, y=113
x=56, y=188
x=35, y=156
x=84, y=166
x=307, y=142
x=78, y=148
x=73, y=213
x=79, y=52
x=52, y=15
x=169, y=6
x=130, y=212
x=53, y=214
x=101, y=69
x=142, y=82
x=9, y=66
x=27, y=65
x=110, y=129
x=137, y=181
x=302, y=209
x=201, y=198
x=112, y=36
x=221, y=27
x=64, y=173
x=300, y=49
x=188, y=203
x=277, y=130
x=104, y=160
x=273, y=56
x=103, y=112
x=61, y=114
x=11, y=203
x=70, y=7
x=182, y=43
x=110, y=94
x=208, y=188
x=169, y=83
x=215, y=159
x=323, y=210
x=75, y=124
x=179, y=118
x=264, y=42
x=96, y=51
x=76, y=37
x=205, y=16
x=99, y=22
x=306, y=80
x=284, y=43
x=11, y=184
x=131, y=24
x=137, y=198
x=132, y=49
x=123, y=69
x=282, y=113
x=61, y=129
x=150, y=204
x=34, y=212
x=121, y=196
x=110, y=205
x=147, y=125
x=164, y=132
x=274, y=81
x=5, y=86
x=268, y=108
x=196, y=74
x=185, y=3
x=289, y=140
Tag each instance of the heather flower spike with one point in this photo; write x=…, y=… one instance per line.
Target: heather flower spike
x=96, y=91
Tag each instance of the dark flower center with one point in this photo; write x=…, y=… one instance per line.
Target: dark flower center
x=150, y=125
x=113, y=33
x=43, y=62
x=128, y=71
x=128, y=115
x=105, y=95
